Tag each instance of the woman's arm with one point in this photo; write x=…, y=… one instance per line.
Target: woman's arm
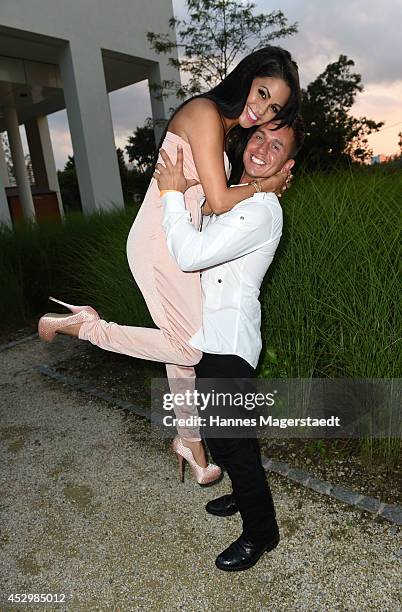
x=199, y=121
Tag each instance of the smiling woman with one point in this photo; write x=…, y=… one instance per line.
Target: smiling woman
x=267, y=97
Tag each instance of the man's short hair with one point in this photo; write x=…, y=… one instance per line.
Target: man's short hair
x=298, y=134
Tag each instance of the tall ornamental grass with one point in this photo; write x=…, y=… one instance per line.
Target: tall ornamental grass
x=81, y=261
x=332, y=300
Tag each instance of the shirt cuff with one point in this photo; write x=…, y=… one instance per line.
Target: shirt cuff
x=174, y=200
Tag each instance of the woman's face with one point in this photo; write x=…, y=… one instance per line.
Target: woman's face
x=268, y=95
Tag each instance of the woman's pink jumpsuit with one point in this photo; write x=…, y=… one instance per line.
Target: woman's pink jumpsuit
x=173, y=297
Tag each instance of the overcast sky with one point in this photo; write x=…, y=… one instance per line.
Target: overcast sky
x=369, y=32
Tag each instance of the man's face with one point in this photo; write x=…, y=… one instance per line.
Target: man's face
x=268, y=151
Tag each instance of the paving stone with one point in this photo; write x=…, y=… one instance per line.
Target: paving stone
x=266, y=463
x=281, y=467
x=102, y=395
x=321, y=486
x=140, y=410
x=298, y=475
x=126, y=404
x=8, y=345
x=392, y=513
x=345, y=494
x=371, y=504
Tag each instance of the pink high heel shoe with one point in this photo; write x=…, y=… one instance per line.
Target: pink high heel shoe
x=204, y=476
x=52, y=322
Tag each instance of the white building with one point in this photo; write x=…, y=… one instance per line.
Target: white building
x=55, y=55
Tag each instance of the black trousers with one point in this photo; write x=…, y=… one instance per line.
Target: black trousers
x=240, y=456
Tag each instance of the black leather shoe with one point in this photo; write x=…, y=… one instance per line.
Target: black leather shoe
x=222, y=506
x=244, y=553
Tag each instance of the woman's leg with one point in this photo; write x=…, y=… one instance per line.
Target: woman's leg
x=174, y=301
x=172, y=312
x=173, y=297
x=140, y=342
x=182, y=379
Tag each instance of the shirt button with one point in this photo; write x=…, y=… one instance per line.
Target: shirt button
x=219, y=280
x=242, y=218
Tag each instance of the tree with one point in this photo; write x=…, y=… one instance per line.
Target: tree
x=30, y=172
x=121, y=162
x=141, y=148
x=357, y=147
x=9, y=162
x=400, y=143
x=123, y=172
x=70, y=164
x=332, y=134
x=218, y=35
x=68, y=182
x=8, y=158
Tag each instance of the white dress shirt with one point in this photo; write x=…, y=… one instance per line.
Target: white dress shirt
x=234, y=250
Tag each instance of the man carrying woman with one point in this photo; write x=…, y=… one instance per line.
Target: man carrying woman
x=234, y=251
x=213, y=129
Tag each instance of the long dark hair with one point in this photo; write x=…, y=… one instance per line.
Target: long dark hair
x=231, y=94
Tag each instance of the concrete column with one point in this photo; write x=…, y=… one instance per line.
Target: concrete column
x=42, y=158
x=161, y=106
x=36, y=153
x=91, y=127
x=5, y=217
x=20, y=171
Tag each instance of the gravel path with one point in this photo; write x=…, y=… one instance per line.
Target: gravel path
x=91, y=507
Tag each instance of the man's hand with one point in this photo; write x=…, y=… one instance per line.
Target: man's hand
x=171, y=176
